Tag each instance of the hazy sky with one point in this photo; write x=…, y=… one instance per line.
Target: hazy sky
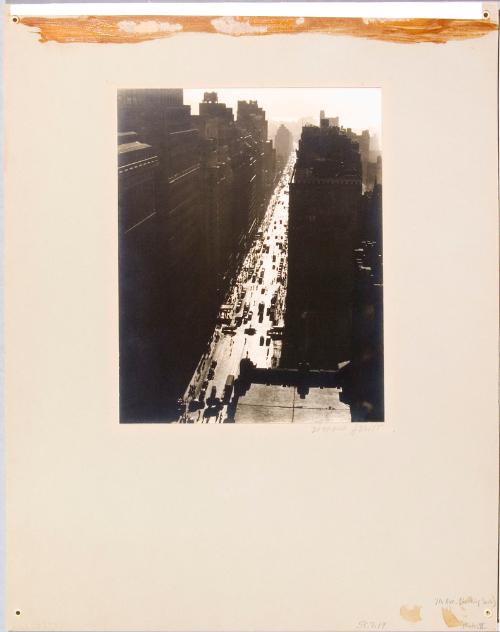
x=359, y=108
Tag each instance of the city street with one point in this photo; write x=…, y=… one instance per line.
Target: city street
x=253, y=306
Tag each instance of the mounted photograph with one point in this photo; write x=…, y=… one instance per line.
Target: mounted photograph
x=250, y=255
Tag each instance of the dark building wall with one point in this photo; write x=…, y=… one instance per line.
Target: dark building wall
x=283, y=144
x=368, y=163
x=155, y=369
x=325, y=196
x=270, y=168
x=363, y=379
x=252, y=118
x=260, y=169
x=138, y=261
x=363, y=141
x=232, y=169
x=245, y=191
x=216, y=197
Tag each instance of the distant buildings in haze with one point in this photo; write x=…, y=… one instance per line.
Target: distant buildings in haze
x=284, y=144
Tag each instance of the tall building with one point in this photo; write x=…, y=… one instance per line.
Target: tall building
x=368, y=150
x=363, y=141
x=138, y=167
x=325, y=198
x=329, y=121
x=283, y=144
x=270, y=168
x=252, y=118
x=155, y=369
x=241, y=152
x=216, y=125
x=246, y=162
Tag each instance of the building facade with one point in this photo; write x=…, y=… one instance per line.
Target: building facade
x=167, y=345
x=368, y=150
x=363, y=379
x=283, y=144
x=325, y=199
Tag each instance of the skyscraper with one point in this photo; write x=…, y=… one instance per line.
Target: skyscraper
x=325, y=197
x=284, y=144
x=158, y=354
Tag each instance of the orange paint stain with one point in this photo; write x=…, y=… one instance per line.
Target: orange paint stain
x=136, y=29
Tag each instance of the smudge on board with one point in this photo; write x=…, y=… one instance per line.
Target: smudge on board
x=451, y=620
x=411, y=614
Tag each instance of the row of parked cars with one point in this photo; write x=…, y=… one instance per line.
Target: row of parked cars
x=212, y=400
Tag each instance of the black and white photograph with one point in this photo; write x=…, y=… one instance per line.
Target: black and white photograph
x=250, y=255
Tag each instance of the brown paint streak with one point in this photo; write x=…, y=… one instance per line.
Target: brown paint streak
x=135, y=29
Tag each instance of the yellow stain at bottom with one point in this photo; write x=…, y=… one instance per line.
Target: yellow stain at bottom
x=411, y=614
x=450, y=619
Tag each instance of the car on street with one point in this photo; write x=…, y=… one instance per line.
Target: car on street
x=250, y=331
x=275, y=332
x=194, y=404
x=261, y=342
x=228, y=388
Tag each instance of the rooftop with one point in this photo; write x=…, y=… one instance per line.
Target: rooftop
x=271, y=403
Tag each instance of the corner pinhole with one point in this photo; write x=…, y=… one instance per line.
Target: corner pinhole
x=486, y=14
x=488, y=612
x=18, y=612
x=15, y=19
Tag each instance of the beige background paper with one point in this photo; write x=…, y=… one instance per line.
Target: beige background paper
x=265, y=528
